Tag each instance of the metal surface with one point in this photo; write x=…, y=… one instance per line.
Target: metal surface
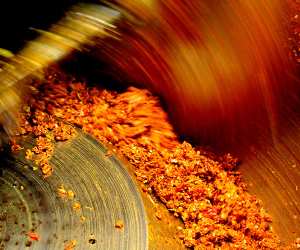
x=271, y=168
x=101, y=185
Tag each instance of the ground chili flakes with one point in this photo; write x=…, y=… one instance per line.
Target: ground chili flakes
x=70, y=245
x=76, y=206
x=65, y=194
x=119, y=224
x=203, y=190
x=46, y=130
x=33, y=236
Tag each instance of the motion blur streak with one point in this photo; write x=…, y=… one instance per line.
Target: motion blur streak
x=220, y=64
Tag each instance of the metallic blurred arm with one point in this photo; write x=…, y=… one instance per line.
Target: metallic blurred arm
x=77, y=28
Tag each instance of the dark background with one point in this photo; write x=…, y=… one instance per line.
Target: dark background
x=17, y=16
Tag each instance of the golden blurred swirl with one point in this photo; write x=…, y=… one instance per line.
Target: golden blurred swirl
x=219, y=65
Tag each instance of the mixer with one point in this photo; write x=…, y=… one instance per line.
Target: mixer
x=223, y=73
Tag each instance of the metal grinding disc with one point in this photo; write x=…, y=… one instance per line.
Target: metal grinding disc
x=102, y=186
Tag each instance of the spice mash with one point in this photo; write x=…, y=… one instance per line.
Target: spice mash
x=203, y=190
